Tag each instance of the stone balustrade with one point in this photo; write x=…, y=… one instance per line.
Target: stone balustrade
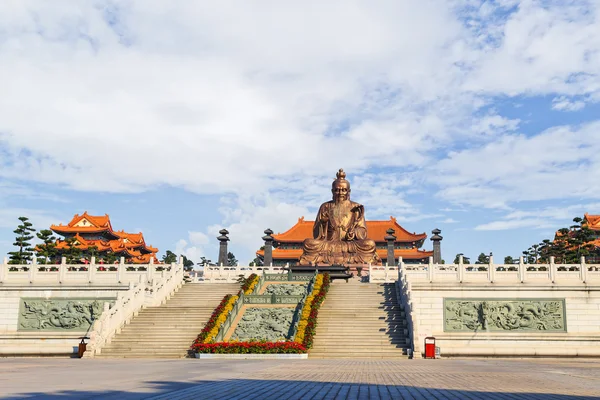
x=503, y=309
x=80, y=274
x=231, y=274
x=129, y=304
x=502, y=273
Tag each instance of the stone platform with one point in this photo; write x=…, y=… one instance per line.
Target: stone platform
x=299, y=379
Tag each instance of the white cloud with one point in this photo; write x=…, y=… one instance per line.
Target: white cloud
x=540, y=218
x=562, y=103
x=513, y=224
x=450, y=221
x=262, y=103
x=559, y=163
x=195, y=246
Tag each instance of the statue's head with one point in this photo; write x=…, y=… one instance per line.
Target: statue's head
x=340, y=188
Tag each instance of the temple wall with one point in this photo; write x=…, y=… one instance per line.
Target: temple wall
x=35, y=332
x=551, y=310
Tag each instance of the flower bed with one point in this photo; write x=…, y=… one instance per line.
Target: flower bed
x=250, y=283
x=249, y=348
x=310, y=311
x=211, y=329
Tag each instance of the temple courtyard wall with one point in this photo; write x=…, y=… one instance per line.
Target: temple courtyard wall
x=503, y=310
x=489, y=310
x=45, y=310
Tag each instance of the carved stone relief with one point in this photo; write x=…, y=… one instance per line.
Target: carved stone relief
x=59, y=314
x=540, y=315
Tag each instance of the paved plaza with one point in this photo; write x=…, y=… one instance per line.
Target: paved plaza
x=33, y=378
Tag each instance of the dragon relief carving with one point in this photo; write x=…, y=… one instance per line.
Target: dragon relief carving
x=59, y=314
x=504, y=315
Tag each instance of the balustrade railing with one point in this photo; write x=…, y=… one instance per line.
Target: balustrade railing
x=237, y=306
x=298, y=314
x=504, y=273
x=226, y=274
x=130, y=303
x=80, y=274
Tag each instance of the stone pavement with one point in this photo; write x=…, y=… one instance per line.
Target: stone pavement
x=31, y=378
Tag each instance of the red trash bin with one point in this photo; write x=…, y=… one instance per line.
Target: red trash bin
x=430, y=347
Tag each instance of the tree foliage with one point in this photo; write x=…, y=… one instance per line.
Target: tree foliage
x=46, y=250
x=169, y=257
x=187, y=264
x=568, y=246
x=466, y=260
x=231, y=260
x=482, y=258
x=24, y=233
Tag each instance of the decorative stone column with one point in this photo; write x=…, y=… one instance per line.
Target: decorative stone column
x=390, y=239
x=223, y=239
x=268, y=259
x=437, y=252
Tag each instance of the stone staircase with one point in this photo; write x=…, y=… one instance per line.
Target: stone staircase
x=361, y=320
x=168, y=331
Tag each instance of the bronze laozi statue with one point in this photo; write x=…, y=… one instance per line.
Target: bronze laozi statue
x=340, y=232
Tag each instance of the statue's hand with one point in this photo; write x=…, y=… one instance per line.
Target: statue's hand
x=350, y=235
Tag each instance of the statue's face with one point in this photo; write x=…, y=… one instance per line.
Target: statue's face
x=341, y=192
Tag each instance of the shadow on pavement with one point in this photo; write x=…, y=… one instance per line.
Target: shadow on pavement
x=281, y=389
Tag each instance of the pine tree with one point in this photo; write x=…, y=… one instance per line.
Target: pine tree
x=47, y=249
x=169, y=257
x=24, y=235
x=231, y=260
x=72, y=253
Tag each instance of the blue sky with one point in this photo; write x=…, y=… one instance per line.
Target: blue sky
x=480, y=118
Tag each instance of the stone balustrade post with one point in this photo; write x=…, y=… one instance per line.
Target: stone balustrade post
x=491, y=269
x=552, y=270
x=400, y=268
x=370, y=272
x=62, y=269
x=461, y=269
x=150, y=272
x=92, y=270
x=430, y=270
x=32, y=269
x=521, y=270
x=583, y=269
x=3, y=269
x=120, y=268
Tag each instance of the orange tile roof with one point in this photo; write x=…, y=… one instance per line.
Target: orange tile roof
x=375, y=230
x=592, y=221
x=98, y=224
x=408, y=254
x=129, y=243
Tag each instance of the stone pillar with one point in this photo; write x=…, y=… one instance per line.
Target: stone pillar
x=223, y=239
x=390, y=239
x=268, y=260
x=437, y=251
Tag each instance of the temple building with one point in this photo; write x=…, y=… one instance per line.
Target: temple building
x=96, y=232
x=288, y=245
x=592, y=222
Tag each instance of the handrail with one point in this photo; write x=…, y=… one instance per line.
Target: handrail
x=298, y=314
x=237, y=306
x=129, y=304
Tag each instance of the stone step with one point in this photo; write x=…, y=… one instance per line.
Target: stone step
x=168, y=331
x=152, y=338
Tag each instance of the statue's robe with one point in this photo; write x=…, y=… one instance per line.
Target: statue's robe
x=339, y=237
